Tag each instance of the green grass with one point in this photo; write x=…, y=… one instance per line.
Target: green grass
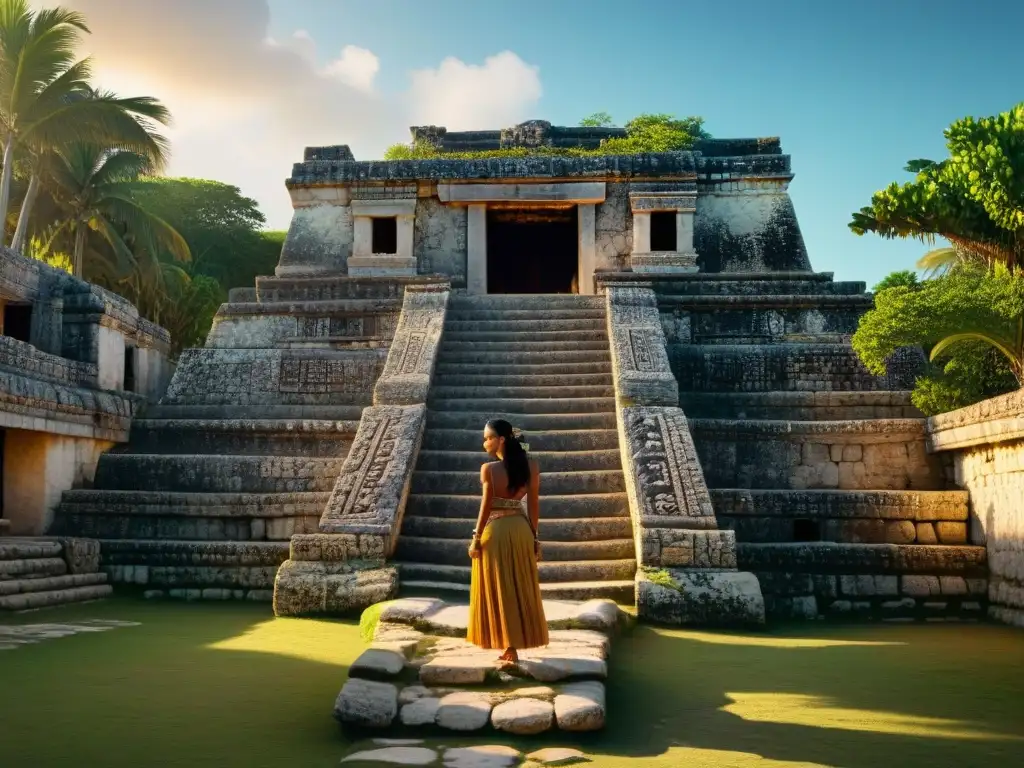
x=227, y=685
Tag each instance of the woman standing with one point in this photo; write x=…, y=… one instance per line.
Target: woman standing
x=505, y=608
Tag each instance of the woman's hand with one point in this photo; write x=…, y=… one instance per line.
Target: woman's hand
x=474, y=548
x=536, y=548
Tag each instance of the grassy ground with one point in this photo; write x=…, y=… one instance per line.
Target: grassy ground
x=226, y=685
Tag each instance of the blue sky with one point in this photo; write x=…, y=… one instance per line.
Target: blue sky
x=854, y=90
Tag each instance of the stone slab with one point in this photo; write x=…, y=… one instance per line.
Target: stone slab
x=703, y=598
x=464, y=711
x=523, y=717
x=366, y=703
x=394, y=756
x=580, y=707
x=304, y=588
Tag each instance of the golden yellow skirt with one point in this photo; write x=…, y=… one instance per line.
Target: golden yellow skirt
x=505, y=608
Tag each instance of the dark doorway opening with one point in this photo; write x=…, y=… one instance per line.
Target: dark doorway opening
x=663, y=231
x=129, y=369
x=806, y=530
x=18, y=321
x=385, y=235
x=532, y=250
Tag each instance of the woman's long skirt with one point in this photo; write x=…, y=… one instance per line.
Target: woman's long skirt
x=505, y=609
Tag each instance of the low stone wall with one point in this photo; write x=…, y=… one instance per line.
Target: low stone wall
x=880, y=454
x=986, y=442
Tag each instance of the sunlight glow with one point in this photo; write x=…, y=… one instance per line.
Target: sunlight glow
x=320, y=641
x=769, y=641
x=820, y=712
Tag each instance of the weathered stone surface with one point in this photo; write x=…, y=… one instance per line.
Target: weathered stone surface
x=673, y=596
x=558, y=756
x=580, y=707
x=405, y=379
x=367, y=703
x=523, y=717
x=485, y=756
x=310, y=588
x=465, y=670
x=421, y=711
x=374, y=482
x=377, y=663
x=464, y=711
x=394, y=756
x=642, y=373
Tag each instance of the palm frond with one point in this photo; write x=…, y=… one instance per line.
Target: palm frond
x=150, y=230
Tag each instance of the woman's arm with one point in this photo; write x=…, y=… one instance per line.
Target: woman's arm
x=533, y=497
x=486, y=491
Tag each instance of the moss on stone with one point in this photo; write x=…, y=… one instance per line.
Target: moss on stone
x=661, y=577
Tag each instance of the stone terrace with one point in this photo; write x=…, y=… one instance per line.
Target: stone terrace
x=244, y=449
x=819, y=467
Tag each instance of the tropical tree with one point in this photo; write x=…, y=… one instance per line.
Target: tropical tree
x=93, y=188
x=596, y=120
x=46, y=101
x=974, y=198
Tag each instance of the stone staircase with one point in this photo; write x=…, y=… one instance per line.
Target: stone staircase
x=542, y=363
x=45, y=572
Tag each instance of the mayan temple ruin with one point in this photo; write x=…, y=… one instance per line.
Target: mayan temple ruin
x=712, y=450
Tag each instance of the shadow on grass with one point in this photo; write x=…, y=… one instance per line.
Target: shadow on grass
x=227, y=685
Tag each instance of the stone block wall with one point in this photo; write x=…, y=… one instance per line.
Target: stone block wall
x=986, y=444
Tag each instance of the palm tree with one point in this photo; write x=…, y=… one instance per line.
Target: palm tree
x=46, y=101
x=92, y=186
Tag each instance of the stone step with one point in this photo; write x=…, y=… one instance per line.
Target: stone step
x=516, y=315
x=528, y=422
x=537, y=324
x=528, y=381
x=536, y=405
x=527, y=301
x=175, y=504
x=532, y=339
x=51, y=583
x=550, y=572
x=551, y=529
x=435, y=439
x=835, y=504
x=31, y=600
x=621, y=591
x=565, y=391
x=193, y=553
x=799, y=406
x=244, y=412
x=741, y=283
x=562, y=461
x=503, y=355
x=192, y=527
x=32, y=567
x=510, y=369
x=526, y=344
x=276, y=437
x=254, y=474
x=836, y=558
x=594, y=506
x=603, y=481
x=24, y=549
x=454, y=551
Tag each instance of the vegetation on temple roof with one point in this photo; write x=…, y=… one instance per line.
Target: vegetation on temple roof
x=644, y=133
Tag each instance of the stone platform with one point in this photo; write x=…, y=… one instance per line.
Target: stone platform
x=419, y=672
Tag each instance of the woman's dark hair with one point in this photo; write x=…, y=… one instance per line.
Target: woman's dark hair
x=515, y=460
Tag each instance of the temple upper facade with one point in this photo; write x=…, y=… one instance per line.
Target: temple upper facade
x=544, y=223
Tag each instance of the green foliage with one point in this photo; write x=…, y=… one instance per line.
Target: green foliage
x=646, y=133
x=221, y=226
x=369, y=619
x=968, y=298
x=907, y=278
x=596, y=120
x=974, y=198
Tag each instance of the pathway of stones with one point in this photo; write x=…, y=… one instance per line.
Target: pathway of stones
x=416, y=752
x=420, y=672
x=16, y=635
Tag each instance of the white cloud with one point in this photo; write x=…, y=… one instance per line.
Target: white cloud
x=246, y=105
x=356, y=67
x=473, y=97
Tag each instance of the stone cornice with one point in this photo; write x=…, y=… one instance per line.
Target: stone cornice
x=996, y=420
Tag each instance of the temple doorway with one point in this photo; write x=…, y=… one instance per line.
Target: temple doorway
x=532, y=250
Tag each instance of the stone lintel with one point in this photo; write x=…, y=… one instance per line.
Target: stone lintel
x=383, y=208
x=572, y=192
x=381, y=265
